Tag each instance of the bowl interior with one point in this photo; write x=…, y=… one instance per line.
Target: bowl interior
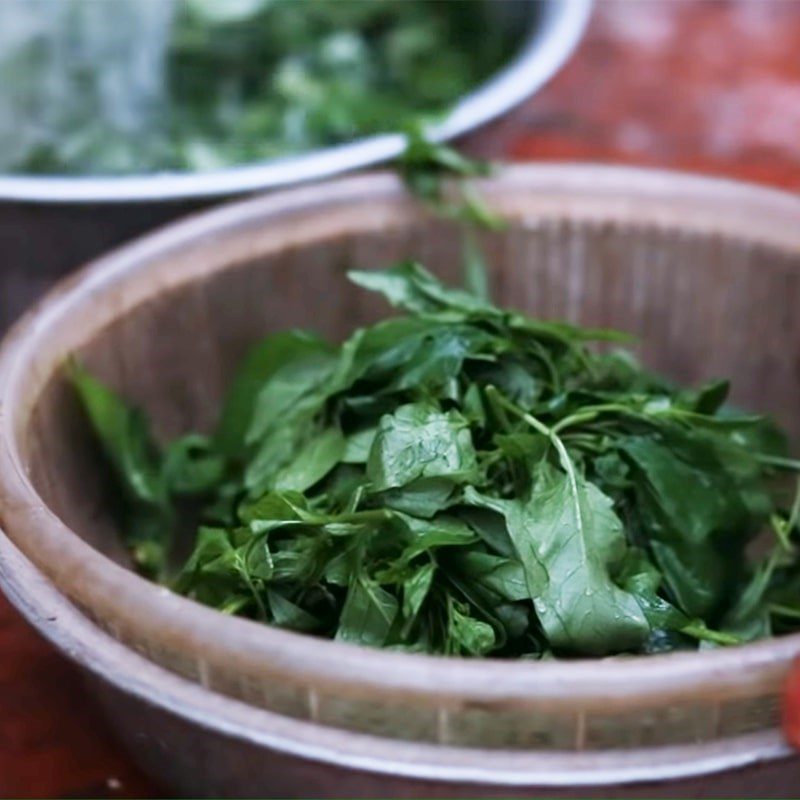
x=701, y=306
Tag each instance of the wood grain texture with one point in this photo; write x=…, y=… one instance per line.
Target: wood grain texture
x=708, y=86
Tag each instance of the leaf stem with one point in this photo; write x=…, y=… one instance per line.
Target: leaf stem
x=779, y=461
x=550, y=433
x=784, y=611
x=591, y=413
x=699, y=631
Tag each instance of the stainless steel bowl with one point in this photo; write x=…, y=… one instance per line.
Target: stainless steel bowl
x=49, y=225
x=554, y=29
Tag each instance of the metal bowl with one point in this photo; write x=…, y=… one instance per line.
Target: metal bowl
x=555, y=27
x=48, y=225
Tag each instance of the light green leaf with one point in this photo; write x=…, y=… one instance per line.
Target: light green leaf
x=418, y=441
x=415, y=590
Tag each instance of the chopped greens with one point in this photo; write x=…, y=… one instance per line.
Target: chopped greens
x=467, y=480
x=125, y=86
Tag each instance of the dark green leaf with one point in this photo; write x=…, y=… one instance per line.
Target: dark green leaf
x=293, y=388
x=412, y=287
x=124, y=436
x=358, y=445
x=368, y=613
x=505, y=576
x=260, y=364
x=426, y=535
x=317, y=458
x=191, y=466
x=687, y=501
x=286, y=614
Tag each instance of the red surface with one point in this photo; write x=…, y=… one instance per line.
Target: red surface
x=705, y=86
x=697, y=85
x=791, y=707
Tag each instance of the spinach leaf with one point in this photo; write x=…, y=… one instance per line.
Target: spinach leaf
x=293, y=390
x=314, y=461
x=124, y=435
x=136, y=460
x=411, y=287
x=415, y=590
x=569, y=541
x=505, y=576
x=260, y=364
x=192, y=466
x=466, y=634
x=417, y=442
x=286, y=614
x=368, y=613
x=688, y=502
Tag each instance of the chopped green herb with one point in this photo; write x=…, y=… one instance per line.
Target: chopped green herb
x=467, y=480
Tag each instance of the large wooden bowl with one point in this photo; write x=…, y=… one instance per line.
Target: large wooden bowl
x=706, y=272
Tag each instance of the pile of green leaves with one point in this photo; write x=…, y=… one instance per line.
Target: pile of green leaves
x=467, y=480
x=233, y=81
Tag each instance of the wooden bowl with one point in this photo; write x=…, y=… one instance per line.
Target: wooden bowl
x=705, y=271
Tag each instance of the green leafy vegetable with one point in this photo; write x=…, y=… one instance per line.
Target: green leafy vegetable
x=124, y=435
x=217, y=83
x=569, y=540
x=426, y=166
x=419, y=442
x=368, y=613
x=466, y=480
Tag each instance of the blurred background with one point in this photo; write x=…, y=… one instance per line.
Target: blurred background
x=710, y=86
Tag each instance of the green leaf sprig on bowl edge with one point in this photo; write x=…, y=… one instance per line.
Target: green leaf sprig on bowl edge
x=466, y=480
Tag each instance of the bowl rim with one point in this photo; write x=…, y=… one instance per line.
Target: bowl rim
x=124, y=278
x=106, y=659
x=542, y=53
